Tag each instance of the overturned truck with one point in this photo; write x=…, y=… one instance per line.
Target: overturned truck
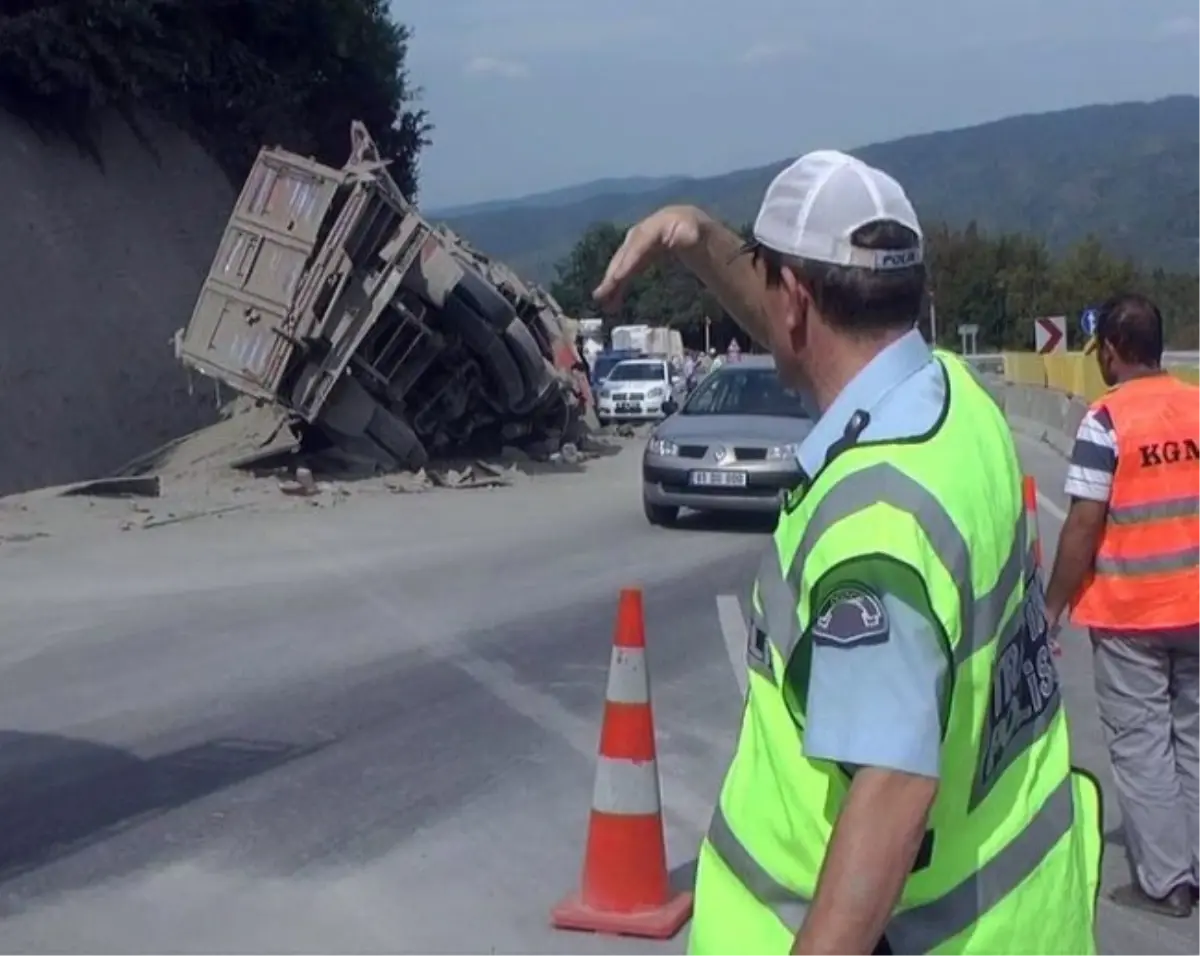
x=383, y=336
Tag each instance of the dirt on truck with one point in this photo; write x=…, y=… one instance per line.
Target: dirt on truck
x=376, y=331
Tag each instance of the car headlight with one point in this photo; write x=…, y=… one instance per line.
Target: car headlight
x=660, y=446
x=657, y=392
x=605, y=392
x=782, y=452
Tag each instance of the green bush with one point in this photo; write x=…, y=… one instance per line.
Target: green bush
x=237, y=73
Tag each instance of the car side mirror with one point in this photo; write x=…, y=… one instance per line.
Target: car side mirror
x=670, y=406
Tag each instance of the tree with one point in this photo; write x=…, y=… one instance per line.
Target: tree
x=237, y=73
x=583, y=268
x=664, y=295
x=998, y=282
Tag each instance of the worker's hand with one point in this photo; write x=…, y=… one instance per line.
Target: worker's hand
x=1053, y=630
x=671, y=229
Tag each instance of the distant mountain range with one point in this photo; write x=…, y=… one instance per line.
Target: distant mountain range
x=1125, y=172
x=568, y=195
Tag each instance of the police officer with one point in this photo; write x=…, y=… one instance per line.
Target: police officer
x=902, y=777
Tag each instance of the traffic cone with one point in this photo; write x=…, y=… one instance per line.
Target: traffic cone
x=625, y=887
x=1031, y=519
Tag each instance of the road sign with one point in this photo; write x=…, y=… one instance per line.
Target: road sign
x=1050, y=334
x=968, y=333
x=1087, y=322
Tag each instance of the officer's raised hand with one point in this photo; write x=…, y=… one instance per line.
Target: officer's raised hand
x=671, y=229
x=704, y=246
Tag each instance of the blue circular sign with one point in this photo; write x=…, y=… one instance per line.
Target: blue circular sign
x=1087, y=321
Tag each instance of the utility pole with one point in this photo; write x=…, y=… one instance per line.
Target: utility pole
x=707, y=333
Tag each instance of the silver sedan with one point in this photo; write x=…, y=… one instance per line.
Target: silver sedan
x=731, y=447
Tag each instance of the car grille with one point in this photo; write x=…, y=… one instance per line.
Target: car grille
x=626, y=397
x=692, y=451
x=750, y=454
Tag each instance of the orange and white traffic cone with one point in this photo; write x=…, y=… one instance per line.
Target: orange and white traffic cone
x=625, y=887
x=1035, y=539
x=1031, y=518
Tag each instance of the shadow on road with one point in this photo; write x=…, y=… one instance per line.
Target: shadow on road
x=58, y=795
x=728, y=522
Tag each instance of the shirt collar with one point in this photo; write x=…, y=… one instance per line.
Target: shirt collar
x=893, y=366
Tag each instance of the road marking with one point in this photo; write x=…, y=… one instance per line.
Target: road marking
x=733, y=630
x=1053, y=510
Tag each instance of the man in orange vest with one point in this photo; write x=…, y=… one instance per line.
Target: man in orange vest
x=1127, y=563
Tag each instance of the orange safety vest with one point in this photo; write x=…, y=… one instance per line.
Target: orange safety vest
x=1146, y=575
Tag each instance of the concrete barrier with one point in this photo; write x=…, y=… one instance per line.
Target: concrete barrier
x=1040, y=413
x=1046, y=396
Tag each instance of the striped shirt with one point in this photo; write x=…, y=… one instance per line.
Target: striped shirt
x=1094, y=457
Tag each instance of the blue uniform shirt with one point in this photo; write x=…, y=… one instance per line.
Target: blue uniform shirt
x=879, y=670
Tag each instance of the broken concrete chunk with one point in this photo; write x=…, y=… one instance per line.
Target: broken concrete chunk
x=408, y=482
x=472, y=476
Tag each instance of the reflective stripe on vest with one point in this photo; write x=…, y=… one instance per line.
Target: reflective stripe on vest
x=923, y=927
x=885, y=484
x=1147, y=567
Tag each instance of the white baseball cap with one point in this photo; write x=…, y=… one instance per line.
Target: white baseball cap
x=813, y=208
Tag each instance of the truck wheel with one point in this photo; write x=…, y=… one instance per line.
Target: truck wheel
x=501, y=371
x=485, y=300
x=663, y=516
x=533, y=367
x=395, y=437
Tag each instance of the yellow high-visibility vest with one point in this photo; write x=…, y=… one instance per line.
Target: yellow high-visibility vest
x=1011, y=861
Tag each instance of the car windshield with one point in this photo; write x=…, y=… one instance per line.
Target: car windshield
x=603, y=365
x=638, y=372
x=749, y=391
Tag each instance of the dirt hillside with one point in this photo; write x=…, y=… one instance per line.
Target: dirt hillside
x=99, y=264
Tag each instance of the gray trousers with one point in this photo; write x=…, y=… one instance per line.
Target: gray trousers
x=1148, y=691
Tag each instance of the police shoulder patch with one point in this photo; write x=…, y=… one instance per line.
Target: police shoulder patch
x=851, y=615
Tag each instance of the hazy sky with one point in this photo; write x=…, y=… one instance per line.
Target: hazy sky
x=528, y=95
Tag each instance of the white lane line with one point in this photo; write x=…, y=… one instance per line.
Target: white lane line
x=733, y=630
x=1050, y=507
x=1053, y=510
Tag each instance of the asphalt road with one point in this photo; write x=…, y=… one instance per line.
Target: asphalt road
x=369, y=729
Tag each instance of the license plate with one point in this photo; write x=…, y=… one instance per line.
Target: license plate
x=628, y=407
x=719, y=479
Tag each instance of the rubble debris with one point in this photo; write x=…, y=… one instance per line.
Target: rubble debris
x=386, y=341
x=142, y=486
x=478, y=475
x=408, y=482
x=247, y=437
x=303, y=485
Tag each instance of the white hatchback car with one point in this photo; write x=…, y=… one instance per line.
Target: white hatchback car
x=634, y=390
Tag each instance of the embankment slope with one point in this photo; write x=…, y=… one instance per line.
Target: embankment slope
x=99, y=263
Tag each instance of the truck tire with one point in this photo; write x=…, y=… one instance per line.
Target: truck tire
x=483, y=298
x=394, y=436
x=508, y=386
x=530, y=363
